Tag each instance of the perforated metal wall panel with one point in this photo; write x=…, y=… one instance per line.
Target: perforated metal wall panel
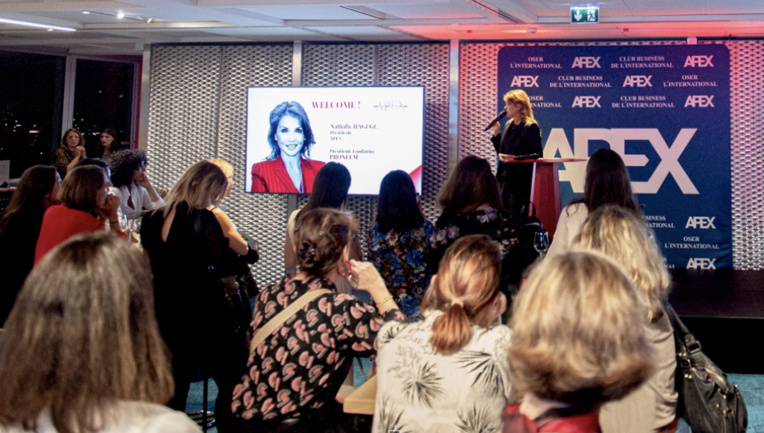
x=263, y=216
x=747, y=127
x=183, y=109
x=392, y=65
x=477, y=90
x=197, y=110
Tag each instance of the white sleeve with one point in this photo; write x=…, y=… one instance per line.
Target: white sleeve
x=569, y=225
x=171, y=422
x=146, y=202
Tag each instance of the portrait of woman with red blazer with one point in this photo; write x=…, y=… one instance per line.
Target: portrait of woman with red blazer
x=288, y=168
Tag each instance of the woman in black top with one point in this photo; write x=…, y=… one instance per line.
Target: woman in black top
x=472, y=205
x=20, y=228
x=521, y=138
x=194, y=274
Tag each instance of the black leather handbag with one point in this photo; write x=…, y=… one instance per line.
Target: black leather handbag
x=708, y=402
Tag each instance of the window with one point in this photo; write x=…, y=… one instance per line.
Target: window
x=103, y=98
x=31, y=94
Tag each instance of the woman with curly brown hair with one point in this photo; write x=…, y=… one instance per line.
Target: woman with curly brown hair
x=295, y=371
x=131, y=183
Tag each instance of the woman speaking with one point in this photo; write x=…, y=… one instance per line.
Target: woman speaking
x=521, y=138
x=287, y=169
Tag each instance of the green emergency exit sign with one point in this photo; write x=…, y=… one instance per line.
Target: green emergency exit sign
x=584, y=14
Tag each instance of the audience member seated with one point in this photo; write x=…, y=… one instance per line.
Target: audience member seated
x=294, y=373
x=20, y=226
x=450, y=370
x=399, y=242
x=621, y=235
x=574, y=343
x=70, y=151
x=471, y=203
x=98, y=162
x=108, y=143
x=85, y=207
x=82, y=352
x=607, y=183
x=330, y=190
x=131, y=183
x=195, y=287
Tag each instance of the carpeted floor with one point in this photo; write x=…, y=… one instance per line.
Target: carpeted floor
x=751, y=386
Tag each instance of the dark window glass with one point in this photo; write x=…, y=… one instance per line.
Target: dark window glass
x=31, y=92
x=103, y=98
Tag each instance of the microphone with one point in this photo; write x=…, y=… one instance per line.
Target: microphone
x=498, y=117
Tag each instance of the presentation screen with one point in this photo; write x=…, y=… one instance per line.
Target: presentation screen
x=293, y=131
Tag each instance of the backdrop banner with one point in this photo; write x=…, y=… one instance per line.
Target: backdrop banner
x=664, y=109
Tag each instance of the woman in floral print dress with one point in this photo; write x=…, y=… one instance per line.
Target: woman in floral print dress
x=294, y=374
x=399, y=242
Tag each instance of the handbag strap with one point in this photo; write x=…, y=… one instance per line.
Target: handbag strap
x=280, y=318
x=676, y=322
x=682, y=335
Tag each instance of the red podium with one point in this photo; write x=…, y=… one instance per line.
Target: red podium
x=545, y=188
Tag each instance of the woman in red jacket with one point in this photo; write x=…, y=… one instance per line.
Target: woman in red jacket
x=287, y=169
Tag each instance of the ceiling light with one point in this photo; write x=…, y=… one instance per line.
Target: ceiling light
x=120, y=15
x=37, y=25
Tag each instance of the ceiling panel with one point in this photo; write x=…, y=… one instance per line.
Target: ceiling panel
x=371, y=20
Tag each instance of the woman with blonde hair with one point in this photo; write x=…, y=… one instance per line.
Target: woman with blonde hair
x=449, y=370
x=621, y=235
x=194, y=286
x=81, y=349
x=521, y=138
x=237, y=243
x=574, y=343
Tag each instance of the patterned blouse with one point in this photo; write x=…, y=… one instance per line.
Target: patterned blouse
x=488, y=221
x=302, y=365
x=403, y=260
x=420, y=390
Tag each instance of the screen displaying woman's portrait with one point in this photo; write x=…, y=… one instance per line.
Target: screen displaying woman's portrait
x=288, y=168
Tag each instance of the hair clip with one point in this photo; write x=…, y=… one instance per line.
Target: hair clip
x=306, y=253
